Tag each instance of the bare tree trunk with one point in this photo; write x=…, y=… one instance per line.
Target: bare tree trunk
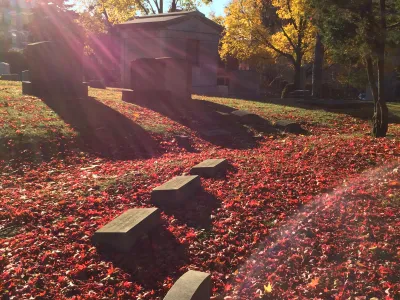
x=173, y=6
x=371, y=78
x=317, y=68
x=161, y=6
x=381, y=113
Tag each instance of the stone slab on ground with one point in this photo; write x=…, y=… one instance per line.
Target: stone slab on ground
x=289, y=126
x=193, y=285
x=210, y=167
x=122, y=232
x=176, y=190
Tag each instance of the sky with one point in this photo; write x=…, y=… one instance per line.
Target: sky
x=216, y=6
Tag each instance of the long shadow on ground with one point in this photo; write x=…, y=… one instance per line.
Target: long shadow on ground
x=103, y=130
x=153, y=258
x=196, y=212
x=212, y=121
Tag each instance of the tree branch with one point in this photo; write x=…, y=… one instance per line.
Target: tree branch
x=286, y=35
x=393, y=25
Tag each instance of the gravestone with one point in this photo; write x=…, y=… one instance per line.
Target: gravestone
x=148, y=74
x=178, y=78
x=210, y=167
x=10, y=77
x=25, y=75
x=183, y=141
x=147, y=81
x=55, y=69
x=300, y=94
x=176, y=190
x=193, y=285
x=245, y=116
x=98, y=84
x=4, y=68
x=159, y=79
x=223, y=90
x=289, y=126
x=122, y=232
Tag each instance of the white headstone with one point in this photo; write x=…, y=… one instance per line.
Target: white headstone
x=4, y=68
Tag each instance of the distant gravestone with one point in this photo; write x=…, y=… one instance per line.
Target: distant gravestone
x=210, y=167
x=98, y=84
x=176, y=190
x=193, y=285
x=10, y=77
x=4, y=68
x=25, y=75
x=55, y=69
x=245, y=83
x=122, y=232
x=223, y=90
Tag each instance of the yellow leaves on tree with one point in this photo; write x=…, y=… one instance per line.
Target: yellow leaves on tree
x=245, y=34
x=265, y=29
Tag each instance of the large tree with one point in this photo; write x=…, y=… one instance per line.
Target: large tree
x=363, y=29
x=265, y=28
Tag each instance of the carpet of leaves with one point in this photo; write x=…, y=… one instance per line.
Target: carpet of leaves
x=314, y=216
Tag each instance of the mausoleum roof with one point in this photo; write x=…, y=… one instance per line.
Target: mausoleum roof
x=162, y=20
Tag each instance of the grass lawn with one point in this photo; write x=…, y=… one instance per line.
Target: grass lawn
x=314, y=215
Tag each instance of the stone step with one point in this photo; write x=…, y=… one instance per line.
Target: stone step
x=193, y=285
x=176, y=190
x=122, y=232
x=210, y=167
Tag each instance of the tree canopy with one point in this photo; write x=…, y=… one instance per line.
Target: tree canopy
x=363, y=31
x=265, y=29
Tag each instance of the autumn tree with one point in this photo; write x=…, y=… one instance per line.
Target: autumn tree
x=364, y=29
x=277, y=28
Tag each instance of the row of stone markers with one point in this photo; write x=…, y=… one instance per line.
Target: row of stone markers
x=122, y=232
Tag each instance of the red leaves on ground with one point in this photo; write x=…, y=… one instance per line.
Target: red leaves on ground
x=292, y=219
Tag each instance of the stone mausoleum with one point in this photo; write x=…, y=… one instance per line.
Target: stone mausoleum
x=185, y=35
